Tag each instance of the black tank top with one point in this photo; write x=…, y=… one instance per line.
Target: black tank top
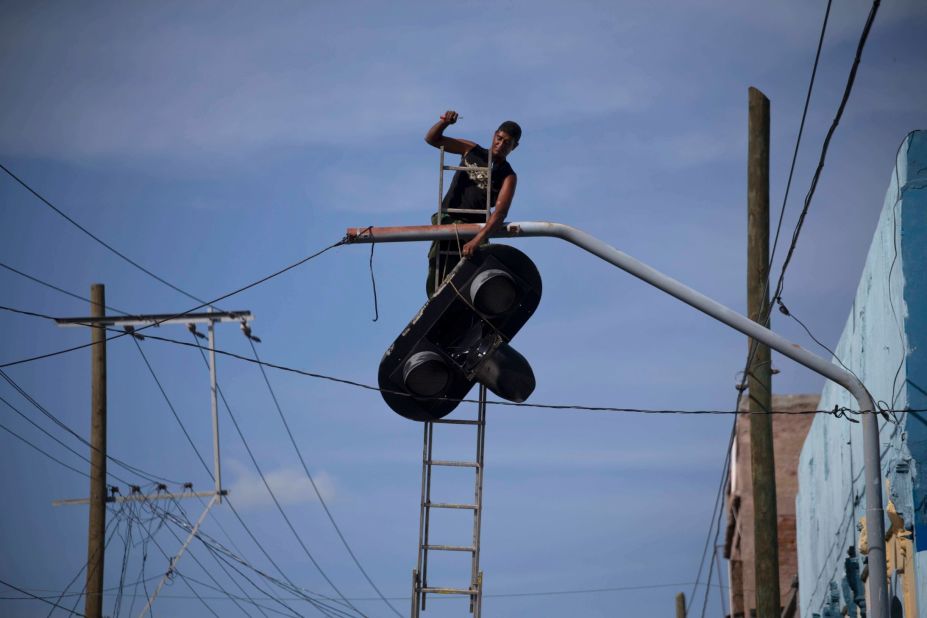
x=468, y=188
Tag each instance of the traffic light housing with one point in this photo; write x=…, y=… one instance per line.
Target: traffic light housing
x=460, y=337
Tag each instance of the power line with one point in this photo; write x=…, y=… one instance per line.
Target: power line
x=146, y=475
x=54, y=287
x=52, y=457
x=204, y=538
x=208, y=471
x=170, y=405
x=183, y=313
x=97, y=238
x=83, y=567
x=715, y=514
x=273, y=496
x=777, y=296
x=839, y=411
x=29, y=595
x=315, y=488
x=801, y=129
x=206, y=466
x=195, y=559
x=172, y=570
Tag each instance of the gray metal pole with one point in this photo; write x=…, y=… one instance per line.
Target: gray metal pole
x=173, y=561
x=762, y=458
x=680, y=605
x=93, y=604
x=875, y=527
x=214, y=390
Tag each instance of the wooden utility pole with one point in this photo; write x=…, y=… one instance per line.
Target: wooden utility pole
x=765, y=525
x=681, y=605
x=93, y=607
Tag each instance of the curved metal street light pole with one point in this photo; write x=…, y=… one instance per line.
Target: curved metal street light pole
x=875, y=527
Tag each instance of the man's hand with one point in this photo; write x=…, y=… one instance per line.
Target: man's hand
x=467, y=250
x=449, y=117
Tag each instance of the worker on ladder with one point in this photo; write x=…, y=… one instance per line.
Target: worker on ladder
x=467, y=201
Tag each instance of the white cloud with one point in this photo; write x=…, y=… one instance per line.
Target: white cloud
x=290, y=485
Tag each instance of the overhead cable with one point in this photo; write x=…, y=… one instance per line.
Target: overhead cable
x=183, y=313
x=851, y=79
x=97, y=238
x=315, y=488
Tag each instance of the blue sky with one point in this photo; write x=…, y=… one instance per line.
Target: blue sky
x=215, y=143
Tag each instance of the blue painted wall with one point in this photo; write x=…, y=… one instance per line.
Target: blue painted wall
x=885, y=343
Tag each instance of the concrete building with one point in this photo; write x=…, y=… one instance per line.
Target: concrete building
x=789, y=432
x=885, y=343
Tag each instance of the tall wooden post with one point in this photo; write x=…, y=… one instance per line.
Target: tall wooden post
x=765, y=526
x=681, y=605
x=93, y=607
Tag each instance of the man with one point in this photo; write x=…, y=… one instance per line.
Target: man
x=468, y=190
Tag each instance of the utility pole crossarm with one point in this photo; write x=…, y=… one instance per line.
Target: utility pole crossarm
x=878, y=590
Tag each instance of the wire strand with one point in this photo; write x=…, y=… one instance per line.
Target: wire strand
x=178, y=315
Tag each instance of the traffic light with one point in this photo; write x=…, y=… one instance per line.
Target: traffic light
x=460, y=337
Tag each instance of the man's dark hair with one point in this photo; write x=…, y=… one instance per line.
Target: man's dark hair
x=511, y=127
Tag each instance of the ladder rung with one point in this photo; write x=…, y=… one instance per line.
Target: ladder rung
x=457, y=464
x=465, y=168
x=470, y=211
x=454, y=421
x=450, y=505
x=450, y=548
x=470, y=591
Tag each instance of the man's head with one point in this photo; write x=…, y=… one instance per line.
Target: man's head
x=506, y=139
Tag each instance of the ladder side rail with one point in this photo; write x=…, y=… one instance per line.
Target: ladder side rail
x=429, y=432
x=441, y=182
x=415, y=589
x=478, y=498
x=439, y=259
x=489, y=177
x=416, y=584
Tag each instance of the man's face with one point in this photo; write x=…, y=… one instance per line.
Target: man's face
x=502, y=144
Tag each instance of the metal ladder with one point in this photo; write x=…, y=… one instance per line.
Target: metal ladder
x=442, y=167
x=420, y=585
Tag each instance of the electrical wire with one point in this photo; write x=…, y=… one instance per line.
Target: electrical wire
x=95, y=237
x=55, y=287
x=178, y=315
x=52, y=457
x=38, y=598
x=777, y=296
x=108, y=537
x=273, y=496
x=195, y=559
x=146, y=475
x=851, y=79
x=315, y=488
x=304, y=595
x=172, y=571
x=170, y=405
x=716, y=513
x=370, y=387
x=200, y=456
x=180, y=423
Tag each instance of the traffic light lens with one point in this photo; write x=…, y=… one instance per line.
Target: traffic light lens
x=493, y=292
x=426, y=374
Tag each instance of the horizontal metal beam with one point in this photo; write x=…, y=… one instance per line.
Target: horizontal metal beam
x=141, y=497
x=159, y=318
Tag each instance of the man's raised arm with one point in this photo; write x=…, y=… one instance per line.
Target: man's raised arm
x=436, y=137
